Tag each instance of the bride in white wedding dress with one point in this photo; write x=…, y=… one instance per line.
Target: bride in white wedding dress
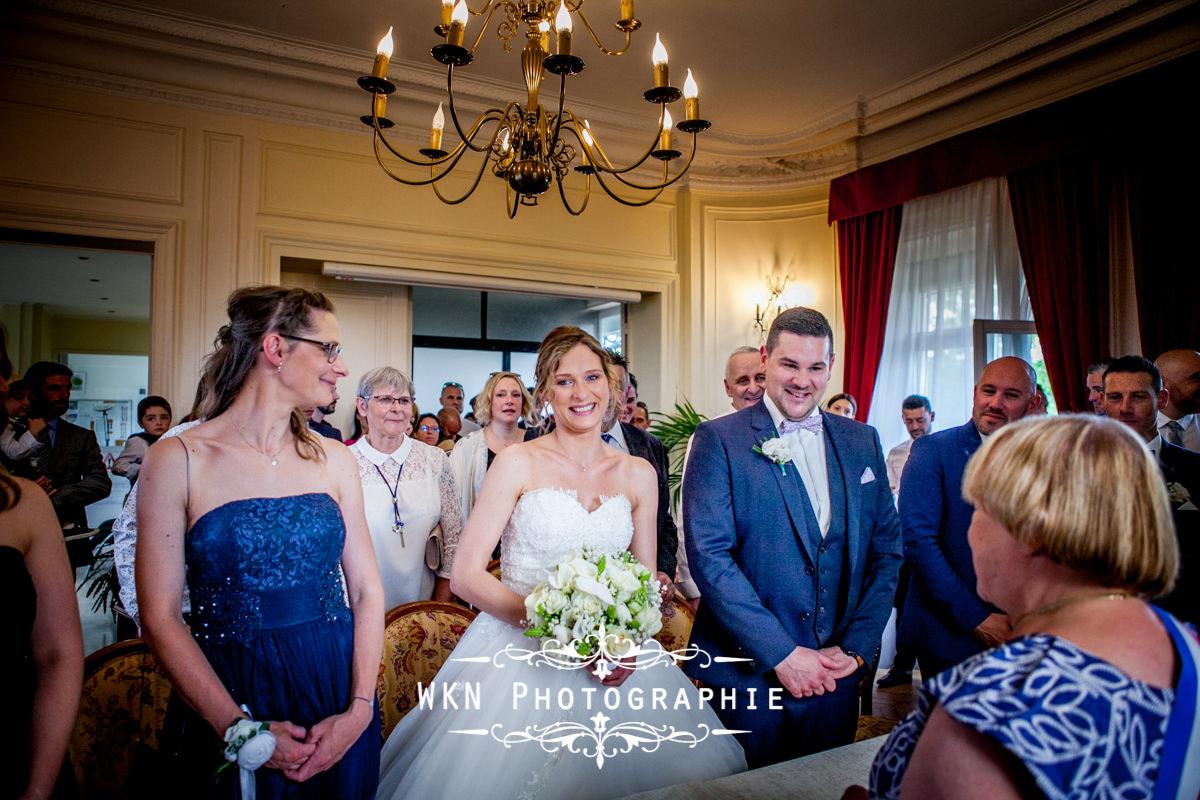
x=500, y=725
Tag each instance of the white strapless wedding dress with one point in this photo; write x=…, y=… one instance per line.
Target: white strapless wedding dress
x=513, y=742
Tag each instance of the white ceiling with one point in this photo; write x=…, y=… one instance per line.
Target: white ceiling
x=72, y=282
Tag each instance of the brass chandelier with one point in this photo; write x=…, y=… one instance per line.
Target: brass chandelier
x=528, y=147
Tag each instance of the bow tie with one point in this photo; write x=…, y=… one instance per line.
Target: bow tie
x=812, y=423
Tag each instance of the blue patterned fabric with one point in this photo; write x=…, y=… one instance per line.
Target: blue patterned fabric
x=1080, y=726
x=269, y=614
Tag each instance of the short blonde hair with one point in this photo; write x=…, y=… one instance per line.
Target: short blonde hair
x=557, y=344
x=1085, y=491
x=483, y=400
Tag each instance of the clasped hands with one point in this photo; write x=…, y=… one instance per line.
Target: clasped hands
x=300, y=754
x=806, y=673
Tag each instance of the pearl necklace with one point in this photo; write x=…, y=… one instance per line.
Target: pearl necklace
x=273, y=456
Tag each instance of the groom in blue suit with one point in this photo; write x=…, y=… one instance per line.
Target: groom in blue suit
x=793, y=540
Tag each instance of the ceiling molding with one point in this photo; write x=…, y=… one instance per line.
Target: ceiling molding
x=190, y=60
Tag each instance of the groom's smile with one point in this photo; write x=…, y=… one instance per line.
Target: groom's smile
x=797, y=373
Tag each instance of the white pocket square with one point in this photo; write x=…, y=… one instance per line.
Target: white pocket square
x=867, y=476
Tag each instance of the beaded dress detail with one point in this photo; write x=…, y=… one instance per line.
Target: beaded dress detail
x=425, y=754
x=269, y=613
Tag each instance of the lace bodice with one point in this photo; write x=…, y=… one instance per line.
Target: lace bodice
x=548, y=524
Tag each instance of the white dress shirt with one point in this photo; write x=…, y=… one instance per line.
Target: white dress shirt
x=617, y=438
x=1191, y=430
x=897, y=457
x=808, y=456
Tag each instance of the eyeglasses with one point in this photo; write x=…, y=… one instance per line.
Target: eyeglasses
x=429, y=429
x=332, y=349
x=388, y=400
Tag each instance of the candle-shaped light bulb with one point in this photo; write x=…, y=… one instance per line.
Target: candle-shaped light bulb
x=435, y=131
x=458, y=24
x=664, y=141
x=691, y=97
x=447, y=10
x=587, y=138
x=382, y=54
x=659, y=57
x=504, y=146
x=562, y=26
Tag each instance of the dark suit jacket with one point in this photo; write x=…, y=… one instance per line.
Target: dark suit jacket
x=644, y=445
x=750, y=534
x=77, y=472
x=1183, y=467
x=942, y=607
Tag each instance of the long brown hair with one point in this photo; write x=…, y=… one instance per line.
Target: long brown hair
x=254, y=313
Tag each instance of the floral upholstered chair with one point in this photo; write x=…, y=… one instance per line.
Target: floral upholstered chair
x=417, y=638
x=677, y=619
x=121, y=712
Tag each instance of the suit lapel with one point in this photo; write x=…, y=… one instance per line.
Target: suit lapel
x=635, y=442
x=795, y=498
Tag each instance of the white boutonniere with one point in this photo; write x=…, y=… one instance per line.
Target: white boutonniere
x=774, y=449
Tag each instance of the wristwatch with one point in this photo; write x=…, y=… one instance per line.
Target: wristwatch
x=855, y=656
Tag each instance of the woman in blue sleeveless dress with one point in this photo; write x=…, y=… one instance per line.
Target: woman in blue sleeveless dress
x=263, y=519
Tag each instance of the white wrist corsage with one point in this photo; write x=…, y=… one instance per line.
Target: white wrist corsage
x=248, y=744
x=774, y=449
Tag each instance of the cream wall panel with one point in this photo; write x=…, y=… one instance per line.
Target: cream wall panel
x=741, y=244
x=90, y=153
x=220, y=226
x=376, y=330
x=339, y=182
x=74, y=335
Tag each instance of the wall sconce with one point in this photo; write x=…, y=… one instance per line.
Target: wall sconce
x=765, y=312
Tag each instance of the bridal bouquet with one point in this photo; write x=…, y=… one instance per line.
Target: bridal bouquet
x=596, y=602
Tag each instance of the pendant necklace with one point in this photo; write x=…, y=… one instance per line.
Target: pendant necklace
x=273, y=456
x=397, y=525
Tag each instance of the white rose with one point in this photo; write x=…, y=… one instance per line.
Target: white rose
x=583, y=567
x=624, y=617
x=619, y=643
x=649, y=620
x=555, y=601
x=564, y=576
x=586, y=605
x=562, y=634
x=249, y=744
x=776, y=450
x=625, y=580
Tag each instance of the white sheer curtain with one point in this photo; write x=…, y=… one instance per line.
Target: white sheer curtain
x=957, y=260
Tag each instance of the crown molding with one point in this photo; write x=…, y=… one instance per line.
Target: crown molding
x=183, y=58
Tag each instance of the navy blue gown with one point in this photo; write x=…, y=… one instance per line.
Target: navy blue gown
x=269, y=613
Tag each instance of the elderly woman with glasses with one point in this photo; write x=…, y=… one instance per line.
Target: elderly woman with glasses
x=408, y=489
x=1095, y=694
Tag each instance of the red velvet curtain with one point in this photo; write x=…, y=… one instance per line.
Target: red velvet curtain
x=867, y=258
x=1163, y=210
x=1061, y=213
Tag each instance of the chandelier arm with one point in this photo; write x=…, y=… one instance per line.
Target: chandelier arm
x=622, y=200
x=432, y=165
x=628, y=34
x=478, y=175
x=587, y=192
x=512, y=200
x=464, y=138
x=610, y=169
x=454, y=154
x=491, y=9
x=666, y=169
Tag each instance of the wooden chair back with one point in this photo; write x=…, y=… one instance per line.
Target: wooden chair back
x=677, y=619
